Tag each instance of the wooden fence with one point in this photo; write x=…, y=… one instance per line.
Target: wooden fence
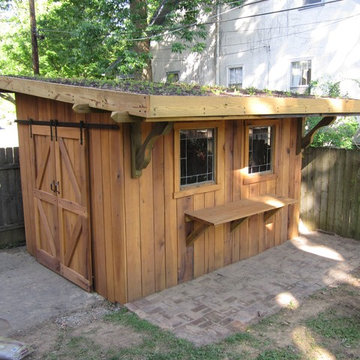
x=330, y=192
x=11, y=211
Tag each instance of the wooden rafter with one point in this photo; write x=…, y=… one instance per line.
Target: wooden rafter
x=86, y=109
x=125, y=117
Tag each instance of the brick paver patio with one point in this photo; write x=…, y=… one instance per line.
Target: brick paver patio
x=225, y=301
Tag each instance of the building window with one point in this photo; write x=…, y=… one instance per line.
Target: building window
x=235, y=76
x=260, y=149
x=172, y=76
x=313, y=2
x=197, y=156
x=300, y=73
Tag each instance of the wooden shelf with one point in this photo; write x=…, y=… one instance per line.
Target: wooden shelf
x=235, y=213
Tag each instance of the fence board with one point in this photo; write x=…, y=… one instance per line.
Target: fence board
x=330, y=190
x=11, y=211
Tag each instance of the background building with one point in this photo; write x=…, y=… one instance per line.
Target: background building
x=280, y=45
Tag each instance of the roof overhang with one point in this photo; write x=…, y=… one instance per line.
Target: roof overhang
x=155, y=108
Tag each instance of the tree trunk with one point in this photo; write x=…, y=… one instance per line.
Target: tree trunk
x=138, y=10
x=34, y=44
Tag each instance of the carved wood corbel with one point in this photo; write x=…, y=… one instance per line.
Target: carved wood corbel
x=141, y=151
x=308, y=138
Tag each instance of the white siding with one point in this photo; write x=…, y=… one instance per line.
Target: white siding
x=265, y=46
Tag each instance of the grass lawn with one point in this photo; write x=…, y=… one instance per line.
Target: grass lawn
x=325, y=326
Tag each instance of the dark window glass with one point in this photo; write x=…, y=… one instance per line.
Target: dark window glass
x=172, y=77
x=312, y=2
x=197, y=156
x=260, y=149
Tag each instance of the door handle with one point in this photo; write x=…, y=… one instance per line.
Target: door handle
x=57, y=185
x=54, y=186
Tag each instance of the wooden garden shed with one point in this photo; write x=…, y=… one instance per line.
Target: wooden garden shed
x=128, y=194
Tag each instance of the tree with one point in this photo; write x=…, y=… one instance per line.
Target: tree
x=93, y=38
x=339, y=134
x=4, y=4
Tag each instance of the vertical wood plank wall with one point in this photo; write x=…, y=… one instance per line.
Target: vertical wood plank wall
x=138, y=228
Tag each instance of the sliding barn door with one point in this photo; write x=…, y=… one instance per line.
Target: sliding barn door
x=73, y=205
x=61, y=194
x=45, y=199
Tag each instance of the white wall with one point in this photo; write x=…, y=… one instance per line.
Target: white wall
x=328, y=35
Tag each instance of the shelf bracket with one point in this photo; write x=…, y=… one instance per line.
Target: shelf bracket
x=236, y=223
x=141, y=151
x=268, y=214
x=200, y=229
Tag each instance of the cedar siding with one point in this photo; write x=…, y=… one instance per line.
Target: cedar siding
x=138, y=230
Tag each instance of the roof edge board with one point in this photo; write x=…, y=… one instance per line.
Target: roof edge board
x=202, y=106
x=155, y=108
x=105, y=99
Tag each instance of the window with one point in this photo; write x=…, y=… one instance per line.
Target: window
x=172, y=76
x=312, y=2
x=260, y=149
x=197, y=151
x=199, y=157
x=300, y=73
x=235, y=76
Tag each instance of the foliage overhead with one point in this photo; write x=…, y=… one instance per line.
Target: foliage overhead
x=97, y=38
x=339, y=134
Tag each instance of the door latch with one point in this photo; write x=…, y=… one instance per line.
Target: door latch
x=54, y=186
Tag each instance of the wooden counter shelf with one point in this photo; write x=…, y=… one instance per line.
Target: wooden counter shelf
x=235, y=213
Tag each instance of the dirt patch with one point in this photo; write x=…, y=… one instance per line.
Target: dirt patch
x=109, y=335
x=42, y=339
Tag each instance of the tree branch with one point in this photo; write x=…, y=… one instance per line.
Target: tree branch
x=159, y=16
x=8, y=98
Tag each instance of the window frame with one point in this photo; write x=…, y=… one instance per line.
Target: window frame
x=265, y=175
x=228, y=74
x=183, y=191
x=291, y=72
x=174, y=72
